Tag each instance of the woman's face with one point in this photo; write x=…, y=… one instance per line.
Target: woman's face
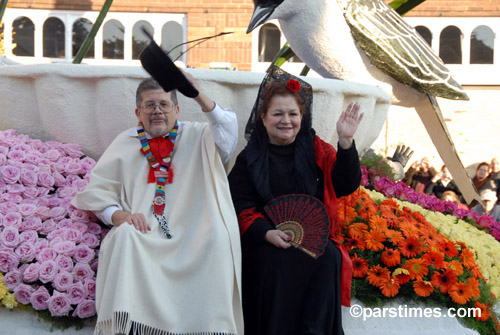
x=282, y=119
x=482, y=172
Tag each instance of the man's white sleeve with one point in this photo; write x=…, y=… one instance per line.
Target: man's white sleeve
x=224, y=127
x=106, y=214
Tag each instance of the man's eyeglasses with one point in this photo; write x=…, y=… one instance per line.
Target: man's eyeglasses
x=165, y=107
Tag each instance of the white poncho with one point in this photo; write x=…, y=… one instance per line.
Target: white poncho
x=189, y=284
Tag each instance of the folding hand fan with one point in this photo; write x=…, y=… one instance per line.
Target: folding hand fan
x=304, y=219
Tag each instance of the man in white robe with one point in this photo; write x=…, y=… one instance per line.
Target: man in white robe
x=148, y=283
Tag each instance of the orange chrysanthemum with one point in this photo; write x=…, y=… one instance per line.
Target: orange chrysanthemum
x=434, y=258
x=359, y=267
x=476, y=271
x=346, y=213
x=423, y=288
x=416, y=267
x=374, y=240
x=443, y=281
x=449, y=248
x=394, y=236
x=391, y=257
x=354, y=243
x=484, y=315
x=455, y=265
x=389, y=286
x=467, y=257
x=460, y=293
x=474, y=286
x=390, y=203
x=378, y=223
x=410, y=247
x=430, y=237
x=357, y=229
x=367, y=209
x=376, y=274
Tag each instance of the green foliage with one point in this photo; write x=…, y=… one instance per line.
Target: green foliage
x=376, y=165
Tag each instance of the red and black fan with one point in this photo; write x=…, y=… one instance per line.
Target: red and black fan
x=304, y=219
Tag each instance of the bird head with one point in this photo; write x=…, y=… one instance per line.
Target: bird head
x=263, y=9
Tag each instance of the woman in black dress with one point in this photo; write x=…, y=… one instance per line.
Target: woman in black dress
x=285, y=290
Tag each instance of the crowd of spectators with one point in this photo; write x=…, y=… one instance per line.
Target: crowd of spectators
x=424, y=178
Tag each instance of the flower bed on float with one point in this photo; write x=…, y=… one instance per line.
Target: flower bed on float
x=49, y=249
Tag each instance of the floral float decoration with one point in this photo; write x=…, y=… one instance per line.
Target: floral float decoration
x=48, y=248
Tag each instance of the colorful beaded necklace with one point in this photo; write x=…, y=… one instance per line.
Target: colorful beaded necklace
x=161, y=174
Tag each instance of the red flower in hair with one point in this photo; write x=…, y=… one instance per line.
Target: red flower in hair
x=293, y=85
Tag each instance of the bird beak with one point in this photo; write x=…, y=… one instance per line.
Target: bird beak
x=259, y=16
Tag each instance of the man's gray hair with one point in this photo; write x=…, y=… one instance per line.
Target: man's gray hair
x=149, y=85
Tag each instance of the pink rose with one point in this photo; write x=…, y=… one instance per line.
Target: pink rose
x=12, y=219
x=94, y=228
x=48, y=226
x=66, y=191
x=76, y=293
x=4, y=150
x=91, y=240
x=59, y=179
x=35, y=144
x=46, y=254
x=52, y=155
x=65, y=223
x=27, y=209
x=59, y=304
x=80, y=184
x=79, y=215
x=8, y=260
x=16, y=155
x=30, y=236
x=15, y=188
x=85, y=309
x=45, y=179
x=11, y=197
x=20, y=146
x=39, y=298
x=31, y=223
x=30, y=192
x=31, y=272
x=66, y=248
x=54, y=234
x=80, y=226
x=82, y=271
x=9, y=237
x=58, y=213
x=74, y=168
x=72, y=150
x=71, y=179
x=87, y=164
x=65, y=263
x=90, y=285
x=25, y=251
x=12, y=279
x=23, y=293
x=10, y=174
x=40, y=245
x=29, y=178
x=83, y=254
x=48, y=271
x=32, y=158
x=72, y=235
x=62, y=281
x=94, y=264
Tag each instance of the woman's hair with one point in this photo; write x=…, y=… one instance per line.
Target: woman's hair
x=452, y=194
x=279, y=88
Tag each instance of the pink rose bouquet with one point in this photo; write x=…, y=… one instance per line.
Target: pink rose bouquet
x=48, y=248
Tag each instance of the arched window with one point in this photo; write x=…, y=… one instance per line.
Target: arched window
x=23, y=31
x=139, y=39
x=481, y=45
x=450, y=45
x=53, y=38
x=425, y=33
x=171, y=36
x=112, y=40
x=81, y=28
x=269, y=42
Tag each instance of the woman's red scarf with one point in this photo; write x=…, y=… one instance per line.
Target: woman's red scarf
x=326, y=157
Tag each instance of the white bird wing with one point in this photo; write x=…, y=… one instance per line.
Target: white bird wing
x=397, y=49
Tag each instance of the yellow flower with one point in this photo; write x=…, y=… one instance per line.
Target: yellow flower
x=9, y=301
x=3, y=291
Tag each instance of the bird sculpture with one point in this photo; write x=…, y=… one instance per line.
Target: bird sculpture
x=367, y=41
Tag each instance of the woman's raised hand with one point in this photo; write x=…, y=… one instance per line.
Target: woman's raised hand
x=348, y=124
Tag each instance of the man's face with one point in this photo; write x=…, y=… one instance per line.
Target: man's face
x=157, y=112
x=495, y=165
